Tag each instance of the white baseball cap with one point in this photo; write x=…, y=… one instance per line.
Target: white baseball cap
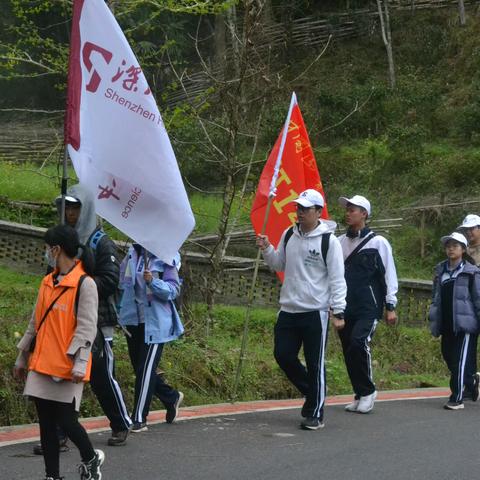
x=458, y=237
x=357, y=200
x=470, y=221
x=68, y=198
x=310, y=198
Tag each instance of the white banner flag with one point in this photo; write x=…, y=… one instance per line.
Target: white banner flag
x=116, y=137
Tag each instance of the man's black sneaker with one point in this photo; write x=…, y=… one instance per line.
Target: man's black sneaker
x=91, y=470
x=454, y=406
x=118, y=438
x=139, y=427
x=38, y=450
x=476, y=387
x=52, y=478
x=311, y=423
x=172, y=409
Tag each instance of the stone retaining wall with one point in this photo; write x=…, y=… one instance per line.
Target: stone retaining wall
x=22, y=248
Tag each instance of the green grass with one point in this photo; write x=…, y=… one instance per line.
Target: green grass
x=18, y=182
x=30, y=183
x=204, y=368
x=207, y=211
x=27, y=182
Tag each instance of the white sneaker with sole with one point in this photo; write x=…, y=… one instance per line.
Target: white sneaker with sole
x=365, y=404
x=352, y=407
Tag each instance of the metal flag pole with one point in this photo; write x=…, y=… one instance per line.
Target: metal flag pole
x=251, y=294
x=63, y=189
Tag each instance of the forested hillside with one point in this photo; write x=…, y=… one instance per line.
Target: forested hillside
x=223, y=73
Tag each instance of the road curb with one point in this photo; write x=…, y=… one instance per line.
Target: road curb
x=30, y=433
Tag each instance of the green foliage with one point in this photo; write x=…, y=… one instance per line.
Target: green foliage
x=416, y=144
x=406, y=144
x=17, y=297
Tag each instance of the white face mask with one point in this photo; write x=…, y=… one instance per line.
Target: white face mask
x=51, y=260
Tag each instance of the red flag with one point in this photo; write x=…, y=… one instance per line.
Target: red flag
x=290, y=170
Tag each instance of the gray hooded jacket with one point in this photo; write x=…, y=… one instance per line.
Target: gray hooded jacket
x=466, y=301
x=107, y=267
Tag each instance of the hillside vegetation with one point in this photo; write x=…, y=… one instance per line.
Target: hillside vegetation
x=418, y=144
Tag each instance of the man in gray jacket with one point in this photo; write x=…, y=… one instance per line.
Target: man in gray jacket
x=311, y=257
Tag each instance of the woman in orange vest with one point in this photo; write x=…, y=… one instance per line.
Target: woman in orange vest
x=56, y=347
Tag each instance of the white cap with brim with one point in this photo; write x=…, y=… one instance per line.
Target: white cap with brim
x=470, y=221
x=457, y=237
x=310, y=198
x=68, y=199
x=357, y=200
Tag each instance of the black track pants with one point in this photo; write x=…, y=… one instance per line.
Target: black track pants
x=309, y=329
x=355, y=338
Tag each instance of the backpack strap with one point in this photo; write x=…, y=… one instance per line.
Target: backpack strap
x=325, y=245
x=287, y=237
x=77, y=296
x=95, y=239
x=325, y=242
x=359, y=247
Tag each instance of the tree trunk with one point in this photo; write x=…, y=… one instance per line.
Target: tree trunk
x=234, y=38
x=387, y=39
x=220, y=43
x=461, y=12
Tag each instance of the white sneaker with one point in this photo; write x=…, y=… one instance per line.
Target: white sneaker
x=352, y=407
x=365, y=404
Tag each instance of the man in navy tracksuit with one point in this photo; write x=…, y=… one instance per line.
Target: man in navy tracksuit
x=311, y=257
x=371, y=287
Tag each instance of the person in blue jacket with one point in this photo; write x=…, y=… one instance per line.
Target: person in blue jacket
x=455, y=316
x=149, y=315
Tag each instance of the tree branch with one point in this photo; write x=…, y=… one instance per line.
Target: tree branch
x=344, y=119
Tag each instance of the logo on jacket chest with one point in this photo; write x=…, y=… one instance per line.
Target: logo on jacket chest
x=312, y=258
x=60, y=306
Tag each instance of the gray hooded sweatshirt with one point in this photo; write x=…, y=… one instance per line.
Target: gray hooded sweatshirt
x=87, y=221
x=107, y=268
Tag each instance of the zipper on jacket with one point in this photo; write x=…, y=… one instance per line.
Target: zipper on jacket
x=373, y=295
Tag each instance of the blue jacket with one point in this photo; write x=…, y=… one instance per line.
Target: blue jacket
x=466, y=301
x=162, y=322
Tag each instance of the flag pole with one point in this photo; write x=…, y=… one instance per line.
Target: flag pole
x=63, y=189
x=251, y=294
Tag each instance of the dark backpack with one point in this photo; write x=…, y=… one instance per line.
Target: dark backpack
x=95, y=239
x=325, y=242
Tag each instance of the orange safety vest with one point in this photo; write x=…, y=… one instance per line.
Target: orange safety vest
x=54, y=337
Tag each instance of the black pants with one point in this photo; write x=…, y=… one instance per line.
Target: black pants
x=51, y=414
x=471, y=365
x=145, y=359
x=459, y=352
x=309, y=329
x=105, y=385
x=355, y=338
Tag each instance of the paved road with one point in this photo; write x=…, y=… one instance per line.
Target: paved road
x=414, y=439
